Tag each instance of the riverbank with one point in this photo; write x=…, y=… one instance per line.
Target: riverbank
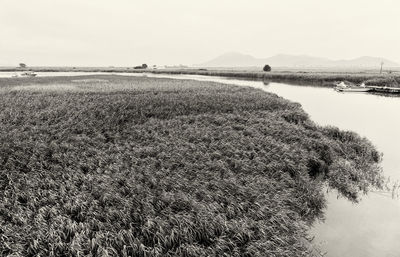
x=309, y=77
x=328, y=79
x=134, y=165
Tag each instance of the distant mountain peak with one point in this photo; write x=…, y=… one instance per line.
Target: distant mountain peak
x=234, y=53
x=229, y=58
x=236, y=59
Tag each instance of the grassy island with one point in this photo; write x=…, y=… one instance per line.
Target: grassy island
x=132, y=166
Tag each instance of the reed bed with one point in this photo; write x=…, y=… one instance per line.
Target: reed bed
x=131, y=166
x=326, y=79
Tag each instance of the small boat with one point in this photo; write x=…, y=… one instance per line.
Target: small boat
x=343, y=87
x=24, y=74
x=28, y=74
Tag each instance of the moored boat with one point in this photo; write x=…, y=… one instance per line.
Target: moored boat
x=28, y=74
x=343, y=87
x=24, y=74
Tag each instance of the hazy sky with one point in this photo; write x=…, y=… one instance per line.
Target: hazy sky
x=130, y=32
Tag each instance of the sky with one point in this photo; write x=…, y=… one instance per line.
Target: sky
x=131, y=32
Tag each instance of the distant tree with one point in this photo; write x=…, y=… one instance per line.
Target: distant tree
x=22, y=65
x=143, y=66
x=267, y=68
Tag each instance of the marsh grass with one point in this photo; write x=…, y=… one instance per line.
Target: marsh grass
x=326, y=79
x=156, y=167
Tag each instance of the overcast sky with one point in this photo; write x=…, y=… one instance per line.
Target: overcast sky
x=130, y=32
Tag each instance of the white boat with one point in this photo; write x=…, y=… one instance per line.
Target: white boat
x=24, y=74
x=28, y=74
x=343, y=87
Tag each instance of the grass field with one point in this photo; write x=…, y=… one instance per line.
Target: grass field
x=132, y=166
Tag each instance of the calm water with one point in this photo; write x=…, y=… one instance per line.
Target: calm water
x=52, y=74
x=372, y=227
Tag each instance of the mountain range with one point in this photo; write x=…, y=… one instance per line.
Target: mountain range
x=235, y=59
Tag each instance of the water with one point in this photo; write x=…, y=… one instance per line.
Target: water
x=6, y=74
x=372, y=227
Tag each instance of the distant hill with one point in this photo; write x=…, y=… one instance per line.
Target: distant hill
x=235, y=59
x=232, y=59
x=366, y=61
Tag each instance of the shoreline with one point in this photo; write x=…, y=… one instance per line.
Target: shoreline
x=320, y=78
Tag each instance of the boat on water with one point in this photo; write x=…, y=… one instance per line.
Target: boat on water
x=343, y=87
x=25, y=74
x=28, y=74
